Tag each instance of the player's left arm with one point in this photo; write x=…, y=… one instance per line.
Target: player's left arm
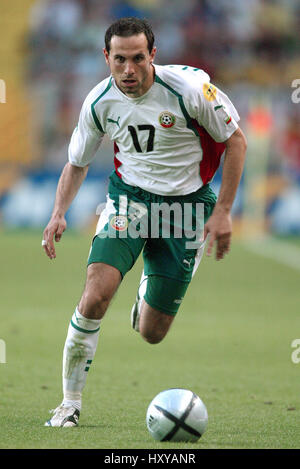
x=219, y=225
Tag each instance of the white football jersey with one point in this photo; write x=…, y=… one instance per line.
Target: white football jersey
x=168, y=141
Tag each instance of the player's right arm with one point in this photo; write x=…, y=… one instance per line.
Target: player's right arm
x=68, y=185
x=84, y=143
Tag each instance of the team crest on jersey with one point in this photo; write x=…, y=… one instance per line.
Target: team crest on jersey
x=209, y=91
x=119, y=222
x=166, y=119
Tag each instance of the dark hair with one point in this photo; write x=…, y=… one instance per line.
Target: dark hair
x=126, y=27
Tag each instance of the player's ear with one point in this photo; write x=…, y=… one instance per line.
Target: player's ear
x=106, y=55
x=152, y=54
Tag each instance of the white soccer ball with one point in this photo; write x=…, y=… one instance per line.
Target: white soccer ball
x=176, y=415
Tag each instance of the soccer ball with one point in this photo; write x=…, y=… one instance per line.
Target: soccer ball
x=176, y=415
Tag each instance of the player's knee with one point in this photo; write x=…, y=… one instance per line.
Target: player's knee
x=154, y=325
x=93, y=305
x=101, y=284
x=153, y=337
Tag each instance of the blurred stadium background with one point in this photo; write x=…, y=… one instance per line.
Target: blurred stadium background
x=51, y=56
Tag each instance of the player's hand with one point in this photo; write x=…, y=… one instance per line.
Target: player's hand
x=53, y=230
x=219, y=229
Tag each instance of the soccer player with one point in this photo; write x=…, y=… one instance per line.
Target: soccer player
x=170, y=127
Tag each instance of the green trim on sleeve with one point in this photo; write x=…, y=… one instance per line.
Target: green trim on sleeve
x=96, y=120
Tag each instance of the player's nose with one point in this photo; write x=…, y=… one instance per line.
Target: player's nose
x=129, y=68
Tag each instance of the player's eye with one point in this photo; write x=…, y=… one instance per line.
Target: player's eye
x=120, y=59
x=139, y=58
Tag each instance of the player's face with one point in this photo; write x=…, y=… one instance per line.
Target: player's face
x=130, y=64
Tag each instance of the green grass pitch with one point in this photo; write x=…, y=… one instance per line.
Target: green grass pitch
x=230, y=344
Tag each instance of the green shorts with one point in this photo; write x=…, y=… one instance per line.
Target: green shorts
x=168, y=229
